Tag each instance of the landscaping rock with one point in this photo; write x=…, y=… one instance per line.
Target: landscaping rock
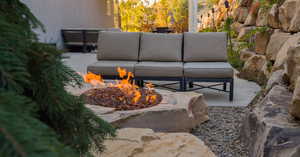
x=262, y=17
x=282, y=54
x=269, y=130
x=222, y=132
x=275, y=79
x=267, y=70
x=133, y=142
x=261, y=41
x=255, y=63
x=273, y=20
x=246, y=3
x=254, y=69
x=236, y=27
x=243, y=33
x=276, y=41
x=293, y=64
x=295, y=23
x=176, y=113
x=245, y=54
x=294, y=108
x=242, y=13
x=252, y=15
x=286, y=13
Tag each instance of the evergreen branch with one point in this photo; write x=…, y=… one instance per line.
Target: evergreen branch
x=14, y=142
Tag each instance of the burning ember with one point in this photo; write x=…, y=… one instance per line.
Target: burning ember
x=123, y=94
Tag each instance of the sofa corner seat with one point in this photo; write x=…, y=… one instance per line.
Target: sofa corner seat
x=116, y=49
x=205, y=59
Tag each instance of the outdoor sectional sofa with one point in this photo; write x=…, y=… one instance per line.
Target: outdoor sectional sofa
x=186, y=58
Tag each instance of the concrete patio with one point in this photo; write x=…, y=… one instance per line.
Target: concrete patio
x=245, y=91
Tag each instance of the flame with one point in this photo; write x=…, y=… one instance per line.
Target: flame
x=126, y=85
x=137, y=96
x=151, y=98
x=93, y=79
x=149, y=86
x=122, y=72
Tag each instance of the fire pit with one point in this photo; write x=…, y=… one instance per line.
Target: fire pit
x=121, y=95
x=124, y=104
x=115, y=98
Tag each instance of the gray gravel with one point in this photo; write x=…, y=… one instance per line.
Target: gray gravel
x=222, y=132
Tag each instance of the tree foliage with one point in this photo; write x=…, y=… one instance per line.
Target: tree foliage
x=38, y=117
x=137, y=15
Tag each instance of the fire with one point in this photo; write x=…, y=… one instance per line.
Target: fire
x=122, y=72
x=93, y=79
x=151, y=98
x=126, y=85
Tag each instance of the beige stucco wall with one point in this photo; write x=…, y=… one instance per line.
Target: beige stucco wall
x=59, y=14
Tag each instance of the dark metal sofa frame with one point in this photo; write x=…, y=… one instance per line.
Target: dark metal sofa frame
x=223, y=81
x=184, y=81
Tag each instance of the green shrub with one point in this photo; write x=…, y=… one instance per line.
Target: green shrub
x=234, y=58
x=38, y=117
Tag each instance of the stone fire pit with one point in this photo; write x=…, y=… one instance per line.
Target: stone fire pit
x=177, y=112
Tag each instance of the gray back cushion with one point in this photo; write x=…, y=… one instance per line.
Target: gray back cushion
x=205, y=47
x=161, y=47
x=118, y=45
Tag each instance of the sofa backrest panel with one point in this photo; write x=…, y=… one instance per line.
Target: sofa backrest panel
x=118, y=45
x=161, y=47
x=205, y=47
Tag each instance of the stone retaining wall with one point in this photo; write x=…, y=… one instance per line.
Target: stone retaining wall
x=271, y=127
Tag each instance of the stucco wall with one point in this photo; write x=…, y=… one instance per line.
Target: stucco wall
x=59, y=14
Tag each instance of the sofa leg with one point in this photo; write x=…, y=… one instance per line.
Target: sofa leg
x=191, y=84
x=139, y=83
x=182, y=85
x=231, y=90
x=224, y=86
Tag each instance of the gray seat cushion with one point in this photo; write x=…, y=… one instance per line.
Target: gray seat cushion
x=110, y=67
x=161, y=47
x=205, y=47
x=159, y=69
x=118, y=46
x=208, y=70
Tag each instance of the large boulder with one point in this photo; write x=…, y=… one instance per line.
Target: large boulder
x=133, y=142
x=293, y=64
x=286, y=13
x=295, y=105
x=276, y=78
x=282, y=54
x=176, y=113
x=273, y=20
x=262, y=17
x=255, y=63
x=246, y=3
x=246, y=54
x=244, y=32
x=261, y=41
x=254, y=69
x=251, y=18
x=236, y=27
x=269, y=130
x=241, y=14
x=276, y=41
x=295, y=22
